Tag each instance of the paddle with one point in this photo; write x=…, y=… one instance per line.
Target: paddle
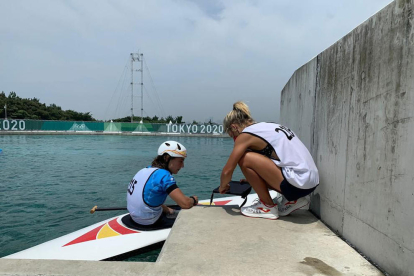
x=95, y=209
x=236, y=188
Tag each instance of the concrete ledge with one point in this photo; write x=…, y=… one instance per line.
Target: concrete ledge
x=58, y=267
x=220, y=241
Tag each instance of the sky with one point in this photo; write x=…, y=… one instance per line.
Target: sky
x=199, y=57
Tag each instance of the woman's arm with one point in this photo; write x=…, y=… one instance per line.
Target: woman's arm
x=183, y=201
x=243, y=142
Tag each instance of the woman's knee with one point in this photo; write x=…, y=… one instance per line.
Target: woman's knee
x=245, y=160
x=241, y=161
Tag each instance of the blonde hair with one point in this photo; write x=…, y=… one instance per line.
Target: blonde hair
x=239, y=115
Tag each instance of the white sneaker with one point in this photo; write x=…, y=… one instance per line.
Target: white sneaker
x=286, y=207
x=260, y=210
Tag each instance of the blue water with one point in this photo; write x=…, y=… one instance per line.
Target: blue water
x=48, y=184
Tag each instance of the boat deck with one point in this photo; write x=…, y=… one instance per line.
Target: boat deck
x=220, y=241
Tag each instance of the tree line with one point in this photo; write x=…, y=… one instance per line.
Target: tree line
x=33, y=109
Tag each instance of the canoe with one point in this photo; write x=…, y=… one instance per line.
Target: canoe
x=110, y=239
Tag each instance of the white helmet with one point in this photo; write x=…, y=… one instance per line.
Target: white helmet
x=172, y=148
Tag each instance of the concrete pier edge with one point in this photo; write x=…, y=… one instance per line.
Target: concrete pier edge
x=377, y=266
x=220, y=241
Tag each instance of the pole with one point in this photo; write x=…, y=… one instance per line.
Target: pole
x=5, y=111
x=137, y=57
x=142, y=88
x=132, y=87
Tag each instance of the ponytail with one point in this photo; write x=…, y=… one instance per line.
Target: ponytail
x=242, y=109
x=239, y=115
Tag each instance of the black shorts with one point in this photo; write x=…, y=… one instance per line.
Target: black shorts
x=162, y=223
x=293, y=193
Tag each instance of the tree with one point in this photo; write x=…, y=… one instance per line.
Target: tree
x=20, y=114
x=20, y=108
x=179, y=119
x=3, y=102
x=12, y=95
x=169, y=119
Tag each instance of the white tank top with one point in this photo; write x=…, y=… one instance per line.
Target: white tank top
x=295, y=161
x=140, y=212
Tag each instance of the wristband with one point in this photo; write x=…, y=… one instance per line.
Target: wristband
x=195, y=201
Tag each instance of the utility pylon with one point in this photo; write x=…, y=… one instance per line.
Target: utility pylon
x=136, y=57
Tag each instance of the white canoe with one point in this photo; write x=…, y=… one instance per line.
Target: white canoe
x=108, y=238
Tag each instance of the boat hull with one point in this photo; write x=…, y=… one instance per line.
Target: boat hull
x=107, y=239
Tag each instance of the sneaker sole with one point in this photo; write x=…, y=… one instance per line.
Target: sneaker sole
x=259, y=217
x=301, y=205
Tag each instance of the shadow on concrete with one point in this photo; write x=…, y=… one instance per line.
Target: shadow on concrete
x=300, y=217
x=233, y=210
x=315, y=204
x=296, y=217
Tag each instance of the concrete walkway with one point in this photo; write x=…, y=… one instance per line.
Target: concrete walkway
x=220, y=241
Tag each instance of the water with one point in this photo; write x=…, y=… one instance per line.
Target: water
x=48, y=184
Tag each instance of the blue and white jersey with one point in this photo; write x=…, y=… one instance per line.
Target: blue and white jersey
x=147, y=191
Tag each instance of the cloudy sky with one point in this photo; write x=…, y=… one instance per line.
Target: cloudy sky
x=199, y=56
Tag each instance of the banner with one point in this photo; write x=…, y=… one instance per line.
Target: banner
x=109, y=127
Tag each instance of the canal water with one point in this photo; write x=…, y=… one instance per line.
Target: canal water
x=49, y=183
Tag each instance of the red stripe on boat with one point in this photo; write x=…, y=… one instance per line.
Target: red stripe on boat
x=224, y=202
x=119, y=228
x=91, y=235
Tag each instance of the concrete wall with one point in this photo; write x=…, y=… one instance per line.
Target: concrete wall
x=353, y=106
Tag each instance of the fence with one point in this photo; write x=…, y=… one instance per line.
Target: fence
x=79, y=126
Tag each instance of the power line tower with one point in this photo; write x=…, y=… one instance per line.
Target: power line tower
x=136, y=57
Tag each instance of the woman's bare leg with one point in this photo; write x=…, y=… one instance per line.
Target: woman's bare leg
x=262, y=174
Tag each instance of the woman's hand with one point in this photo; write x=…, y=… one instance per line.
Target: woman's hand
x=195, y=200
x=241, y=145
x=167, y=210
x=243, y=180
x=183, y=201
x=173, y=214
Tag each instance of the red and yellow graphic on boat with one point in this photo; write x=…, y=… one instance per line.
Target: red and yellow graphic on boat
x=113, y=228
x=223, y=202
x=110, y=229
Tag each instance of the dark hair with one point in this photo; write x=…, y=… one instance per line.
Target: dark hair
x=161, y=161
